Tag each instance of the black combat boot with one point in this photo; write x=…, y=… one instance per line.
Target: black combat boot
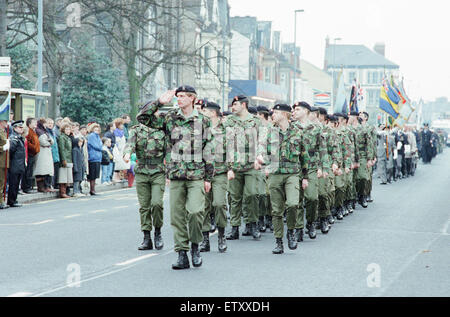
x=362, y=201
x=324, y=225
x=269, y=223
x=147, y=243
x=310, y=227
x=222, y=240
x=344, y=209
x=279, y=246
x=234, y=234
x=213, y=223
x=182, y=262
x=369, y=198
x=196, y=257
x=204, y=246
x=292, y=244
x=159, y=244
x=354, y=204
x=299, y=235
x=254, y=231
x=261, y=225
x=247, y=231
x=339, y=213
x=349, y=207
x=330, y=219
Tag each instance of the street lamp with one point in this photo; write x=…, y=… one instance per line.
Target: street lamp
x=332, y=73
x=295, y=52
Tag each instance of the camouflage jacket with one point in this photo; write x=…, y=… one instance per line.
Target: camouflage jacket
x=149, y=145
x=242, y=141
x=348, y=148
x=284, y=152
x=364, y=142
x=220, y=147
x=316, y=146
x=340, y=150
x=352, y=147
x=188, y=142
x=332, y=148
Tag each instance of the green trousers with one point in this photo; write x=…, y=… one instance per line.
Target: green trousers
x=340, y=186
x=243, y=190
x=150, y=193
x=187, y=205
x=284, y=195
x=311, y=201
x=216, y=202
x=324, y=196
x=363, y=178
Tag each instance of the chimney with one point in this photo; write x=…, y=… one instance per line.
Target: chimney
x=380, y=48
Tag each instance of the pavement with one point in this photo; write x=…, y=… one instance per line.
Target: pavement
x=87, y=247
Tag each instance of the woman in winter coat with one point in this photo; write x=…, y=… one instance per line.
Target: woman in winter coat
x=95, y=156
x=78, y=165
x=44, y=170
x=120, y=166
x=55, y=151
x=65, y=176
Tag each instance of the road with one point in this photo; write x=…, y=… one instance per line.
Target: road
x=399, y=246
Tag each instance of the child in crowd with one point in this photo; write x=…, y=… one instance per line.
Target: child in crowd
x=107, y=161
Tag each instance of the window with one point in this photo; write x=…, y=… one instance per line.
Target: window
x=267, y=74
x=351, y=77
x=373, y=96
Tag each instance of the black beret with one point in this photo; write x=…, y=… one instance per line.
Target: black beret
x=282, y=107
x=185, y=88
x=262, y=109
x=314, y=109
x=252, y=110
x=226, y=113
x=354, y=113
x=302, y=104
x=322, y=111
x=211, y=105
x=240, y=98
x=331, y=118
x=360, y=120
x=17, y=123
x=366, y=113
x=345, y=116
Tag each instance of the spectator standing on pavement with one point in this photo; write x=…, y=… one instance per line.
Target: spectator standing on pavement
x=84, y=134
x=65, y=176
x=126, y=122
x=44, y=169
x=78, y=165
x=57, y=127
x=17, y=161
x=33, y=150
x=110, y=134
x=120, y=167
x=95, y=156
x=4, y=160
x=55, y=151
x=107, y=161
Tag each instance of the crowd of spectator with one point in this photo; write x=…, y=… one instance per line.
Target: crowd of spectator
x=65, y=156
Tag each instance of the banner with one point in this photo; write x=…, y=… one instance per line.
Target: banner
x=5, y=87
x=321, y=99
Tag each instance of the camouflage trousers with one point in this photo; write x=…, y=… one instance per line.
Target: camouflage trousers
x=363, y=178
x=324, y=196
x=216, y=203
x=150, y=193
x=339, y=190
x=243, y=190
x=311, y=201
x=187, y=205
x=284, y=195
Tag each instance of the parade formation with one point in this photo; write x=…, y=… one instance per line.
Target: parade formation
x=260, y=168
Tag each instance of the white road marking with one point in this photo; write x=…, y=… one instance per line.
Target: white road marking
x=42, y=222
x=96, y=211
x=119, y=207
x=136, y=259
x=20, y=294
x=72, y=216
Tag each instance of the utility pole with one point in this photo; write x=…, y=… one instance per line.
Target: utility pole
x=40, y=36
x=295, y=55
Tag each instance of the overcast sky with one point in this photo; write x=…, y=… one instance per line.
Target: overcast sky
x=416, y=33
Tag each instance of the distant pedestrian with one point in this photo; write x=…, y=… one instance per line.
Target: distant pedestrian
x=120, y=166
x=44, y=169
x=17, y=162
x=33, y=150
x=78, y=165
x=55, y=151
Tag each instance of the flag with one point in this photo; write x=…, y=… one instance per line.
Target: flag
x=354, y=98
x=386, y=104
x=321, y=99
x=341, y=104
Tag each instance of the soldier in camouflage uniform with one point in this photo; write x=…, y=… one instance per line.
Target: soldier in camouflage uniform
x=149, y=146
x=216, y=198
x=189, y=167
x=284, y=153
x=350, y=178
x=372, y=131
x=265, y=216
x=242, y=135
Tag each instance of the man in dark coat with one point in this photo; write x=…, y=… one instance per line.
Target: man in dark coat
x=426, y=144
x=17, y=162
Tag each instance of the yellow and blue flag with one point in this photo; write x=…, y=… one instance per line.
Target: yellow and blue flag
x=389, y=100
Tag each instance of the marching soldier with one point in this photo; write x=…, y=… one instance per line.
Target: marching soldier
x=284, y=153
x=189, y=167
x=242, y=132
x=216, y=198
x=383, y=153
x=373, y=137
x=149, y=146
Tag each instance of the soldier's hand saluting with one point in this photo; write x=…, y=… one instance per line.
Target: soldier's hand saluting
x=166, y=97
